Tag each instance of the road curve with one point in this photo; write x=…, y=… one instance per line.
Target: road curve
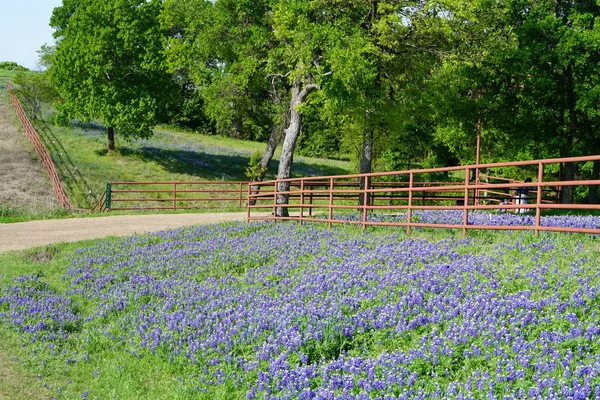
x=23, y=235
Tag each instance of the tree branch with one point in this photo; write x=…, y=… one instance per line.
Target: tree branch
x=308, y=89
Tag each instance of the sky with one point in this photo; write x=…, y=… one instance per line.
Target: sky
x=24, y=29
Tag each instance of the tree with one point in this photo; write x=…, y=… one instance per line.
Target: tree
x=109, y=63
x=46, y=55
x=532, y=81
x=33, y=90
x=12, y=66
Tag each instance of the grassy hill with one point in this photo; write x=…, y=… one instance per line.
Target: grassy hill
x=79, y=152
x=6, y=76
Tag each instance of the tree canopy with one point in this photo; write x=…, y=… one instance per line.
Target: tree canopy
x=389, y=81
x=109, y=63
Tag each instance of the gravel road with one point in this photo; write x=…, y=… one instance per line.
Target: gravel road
x=22, y=235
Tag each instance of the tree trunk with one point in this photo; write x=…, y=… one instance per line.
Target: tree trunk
x=110, y=131
x=569, y=169
x=292, y=133
x=567, y=193
x=274, y=139
x=366, y=159
x=593, y=194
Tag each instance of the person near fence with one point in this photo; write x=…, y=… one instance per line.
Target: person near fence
x=522, y=195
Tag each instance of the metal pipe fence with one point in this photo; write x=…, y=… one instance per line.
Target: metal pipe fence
x=130, y=196
x=41, y=150
x=402, y=193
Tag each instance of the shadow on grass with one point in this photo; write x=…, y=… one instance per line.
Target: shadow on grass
x=70, y=176
x=216, y=166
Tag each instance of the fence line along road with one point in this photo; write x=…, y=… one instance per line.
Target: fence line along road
x=41, y=150
x=402, y=193
x=391, y=192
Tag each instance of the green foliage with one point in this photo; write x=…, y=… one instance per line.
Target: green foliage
x=109, y=64
x=34, y=90
x=220, y=47
x=254, y=170
x=12, y=66
x=46, y=55
x=529, y=72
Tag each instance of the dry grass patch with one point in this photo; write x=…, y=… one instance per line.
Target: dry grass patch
x=16, y=384
x=24, y=184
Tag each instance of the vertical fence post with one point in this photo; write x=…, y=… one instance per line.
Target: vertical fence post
x=310, y=201
x=466, y=201
x=301, y=201
x=538, y=210
x=248, y=202
x=365, y=194
x=174, y=196
x=108, y=198
x=410, y=201
x=275, y=190
x=330, y=201
x=240, y=197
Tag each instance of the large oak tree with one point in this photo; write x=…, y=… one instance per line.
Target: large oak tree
x=109, y=64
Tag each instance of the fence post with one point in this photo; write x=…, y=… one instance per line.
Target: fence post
x=108, y=199
x=538, y=210
x=174, y=196
x=301, y=201
x=241, y=188
x=466, y=201
x=248, y=203
x=330, y=202
x=275, y=190
x=310, y=201
x=365, y=201
x=410, y=200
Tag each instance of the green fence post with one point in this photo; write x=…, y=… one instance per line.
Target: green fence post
x=108, y=196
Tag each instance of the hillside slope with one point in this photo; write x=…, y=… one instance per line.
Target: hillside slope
x=24, y=185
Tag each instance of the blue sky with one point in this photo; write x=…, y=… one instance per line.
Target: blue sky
x=24, y=29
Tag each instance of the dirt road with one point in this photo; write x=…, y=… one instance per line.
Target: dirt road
x=23, y=235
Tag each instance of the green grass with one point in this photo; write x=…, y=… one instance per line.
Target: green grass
x=85, y=166
x=171, y=154
x=5, y=76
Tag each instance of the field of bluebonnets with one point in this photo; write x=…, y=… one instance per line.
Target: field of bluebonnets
x=284, y=311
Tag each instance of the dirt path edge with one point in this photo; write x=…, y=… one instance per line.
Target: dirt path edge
x=23, y=235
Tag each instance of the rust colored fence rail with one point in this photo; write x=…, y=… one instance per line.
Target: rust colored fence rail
x=402, y=193
x=121, y=196
x=41, y=151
